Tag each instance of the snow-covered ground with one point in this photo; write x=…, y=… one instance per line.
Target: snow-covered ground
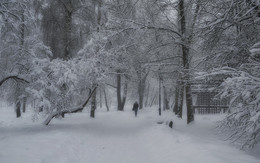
x=114, y=137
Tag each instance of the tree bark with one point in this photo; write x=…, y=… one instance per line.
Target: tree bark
x=124, y=95
x=100, y=97
x=175, y=108
x=141, y=87
x=105, y=95
x=22, y=28
x=190, y=112
x=24, y=104
x=147, y=95
x=118, y=89
x=18, y=109
x=93, y=104
x=165, y=99
x=160, y=105
x=121, y=100
x=68, y=30
x=153, y=99
x=99, y=2
x=180, y=102
x=141, y=94
x=185, y=56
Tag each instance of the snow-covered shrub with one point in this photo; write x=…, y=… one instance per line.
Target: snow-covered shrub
x=243, y=120
x=243, y=88
x=62, y=84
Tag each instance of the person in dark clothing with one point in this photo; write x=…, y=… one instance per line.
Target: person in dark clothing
x=135, y=108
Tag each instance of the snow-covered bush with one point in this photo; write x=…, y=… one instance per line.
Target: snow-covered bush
x=243, y=88
x=61, y=84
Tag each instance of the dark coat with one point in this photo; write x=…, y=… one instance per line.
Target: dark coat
x=135, y=107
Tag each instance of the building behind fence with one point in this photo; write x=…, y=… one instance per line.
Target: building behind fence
x=206, y=102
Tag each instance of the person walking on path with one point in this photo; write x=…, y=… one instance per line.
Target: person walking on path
x=135, y=108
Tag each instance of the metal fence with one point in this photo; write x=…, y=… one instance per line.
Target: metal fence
x=209, y=109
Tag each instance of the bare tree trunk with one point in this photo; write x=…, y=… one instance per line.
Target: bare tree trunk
x=68, y=29
x=160, y=105
x=99, y=2
x=142, y=89
x=93, y=104
x=153, y=99
x=22, y=32
x=185, y=56
x=18, y=109
x=119, y=103
x=141, y=93
x=172, y=104
x=94, y=96
x=175, y=108
x=19, y=86
x=121, y=100
x=105, y=95
x=165, y=99
x=100, y=97
x=180, y=102
x=147, y=94
x=24, y=104
x=124, y=95
x=190, y=112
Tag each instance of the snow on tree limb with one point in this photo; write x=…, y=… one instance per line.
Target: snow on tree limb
x=63, y=112
x=16, y=78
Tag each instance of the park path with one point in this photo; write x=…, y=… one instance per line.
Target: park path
x=115, y=137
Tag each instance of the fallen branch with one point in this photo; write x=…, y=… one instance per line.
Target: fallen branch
x=63, y=112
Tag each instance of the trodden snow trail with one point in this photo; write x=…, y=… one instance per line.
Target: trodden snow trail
x=114, y=137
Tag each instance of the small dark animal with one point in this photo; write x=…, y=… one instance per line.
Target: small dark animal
x=171, y=124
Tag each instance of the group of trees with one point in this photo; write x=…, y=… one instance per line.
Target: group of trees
x=58, y=54
x=242, y=84
x=232, y=56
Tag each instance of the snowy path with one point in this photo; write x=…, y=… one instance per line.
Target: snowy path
x=113, y=137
